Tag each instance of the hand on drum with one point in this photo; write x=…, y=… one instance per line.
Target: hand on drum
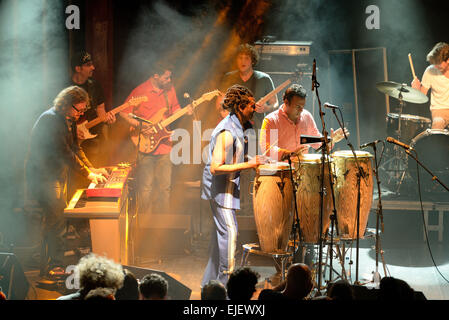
x=258, y=160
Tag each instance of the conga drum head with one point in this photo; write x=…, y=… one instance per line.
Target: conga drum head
x=432, y=147
x=272, y=168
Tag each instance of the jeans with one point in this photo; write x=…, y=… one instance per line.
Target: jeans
x=154, y=183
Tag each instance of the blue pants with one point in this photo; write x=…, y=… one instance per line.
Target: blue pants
x=222, y=245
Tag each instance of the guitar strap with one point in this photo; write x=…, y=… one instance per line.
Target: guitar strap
x=166, y=102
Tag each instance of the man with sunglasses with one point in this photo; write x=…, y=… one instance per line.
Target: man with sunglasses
x=53, y=150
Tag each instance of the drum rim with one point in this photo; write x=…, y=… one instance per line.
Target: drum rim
x=367, y=154
x=415, y=117
x=428, y=132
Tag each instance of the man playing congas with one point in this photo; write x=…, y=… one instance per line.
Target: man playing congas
x=221, y=180
x=280, y=137
x=282, y=129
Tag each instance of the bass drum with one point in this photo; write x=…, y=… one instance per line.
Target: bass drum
x=432, y=147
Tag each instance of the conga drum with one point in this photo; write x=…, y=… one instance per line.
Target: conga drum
x=308, y=201
x=346, y=191
x=272, y=202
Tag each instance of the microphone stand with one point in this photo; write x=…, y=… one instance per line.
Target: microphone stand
x=376, y=275
x=324, y=153
x=360, y=174
x=434, y=177
x=133, y=185
x=295, y=223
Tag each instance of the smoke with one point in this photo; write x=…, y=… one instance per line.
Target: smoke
x=32, y=68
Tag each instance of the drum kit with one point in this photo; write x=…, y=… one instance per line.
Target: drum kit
x=404, y=127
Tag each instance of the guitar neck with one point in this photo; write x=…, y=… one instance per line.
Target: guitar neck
x=99, y=120
x=174, y=117
x=264, y=99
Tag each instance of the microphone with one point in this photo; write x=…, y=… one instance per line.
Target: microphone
x=187, y=95
x=399, y=143
x=305, y=139
x=370, y=144
x=331, y=106
x=132, y=115
x=314, y=74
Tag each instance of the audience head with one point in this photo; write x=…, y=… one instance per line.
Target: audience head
x=130, y=288
x=100, y=294
x=299, y=281
x=213, y=290
x=242, y=284
x=392, y=289
x=340, y=290
x=153, y=287
x=99, y=272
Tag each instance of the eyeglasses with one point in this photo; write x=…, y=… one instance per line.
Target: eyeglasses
x=79, y=111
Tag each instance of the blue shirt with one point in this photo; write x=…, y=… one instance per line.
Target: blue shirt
x=224, y=189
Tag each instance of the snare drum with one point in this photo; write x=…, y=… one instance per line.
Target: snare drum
x=411, y=125
x=346, y=191
x=308, y=175
x=272, y=202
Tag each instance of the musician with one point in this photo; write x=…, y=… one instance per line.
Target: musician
x=282, y=129
x=436, y=78
x=82, y=71
x=53, y=150
x=221, y=180
x=154, y=171
x=258, y=82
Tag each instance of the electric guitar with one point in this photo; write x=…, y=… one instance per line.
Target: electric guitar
x=85, y=126
x=151, y=137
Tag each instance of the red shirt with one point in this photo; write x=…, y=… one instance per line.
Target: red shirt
x=157, y=99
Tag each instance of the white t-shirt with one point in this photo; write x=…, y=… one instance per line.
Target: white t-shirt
x=439, y=84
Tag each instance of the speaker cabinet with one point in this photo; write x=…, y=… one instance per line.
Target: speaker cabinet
x=13, y=282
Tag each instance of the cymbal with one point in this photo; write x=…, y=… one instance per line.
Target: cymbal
x=409, y=94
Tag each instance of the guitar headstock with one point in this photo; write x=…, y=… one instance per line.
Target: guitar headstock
x=134, y=101
x=210, y=95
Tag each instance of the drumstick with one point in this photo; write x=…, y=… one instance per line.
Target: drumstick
x=271, y=146
x=411, y=65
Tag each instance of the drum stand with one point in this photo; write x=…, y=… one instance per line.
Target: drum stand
x=397, y=163
x=360, y=174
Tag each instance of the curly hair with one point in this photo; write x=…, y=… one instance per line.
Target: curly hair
x=70, y=96
x=439, y=53
x=100, y=272
x=250, y=51
x=236, y=96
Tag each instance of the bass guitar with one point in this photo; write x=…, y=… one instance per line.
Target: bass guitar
x=85, y=125
x=152, y=135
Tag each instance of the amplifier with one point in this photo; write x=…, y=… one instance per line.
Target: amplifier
x=284, y=48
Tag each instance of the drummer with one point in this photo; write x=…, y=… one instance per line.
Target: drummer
x=436, y=77
x=282, y=129
x=221, y=180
